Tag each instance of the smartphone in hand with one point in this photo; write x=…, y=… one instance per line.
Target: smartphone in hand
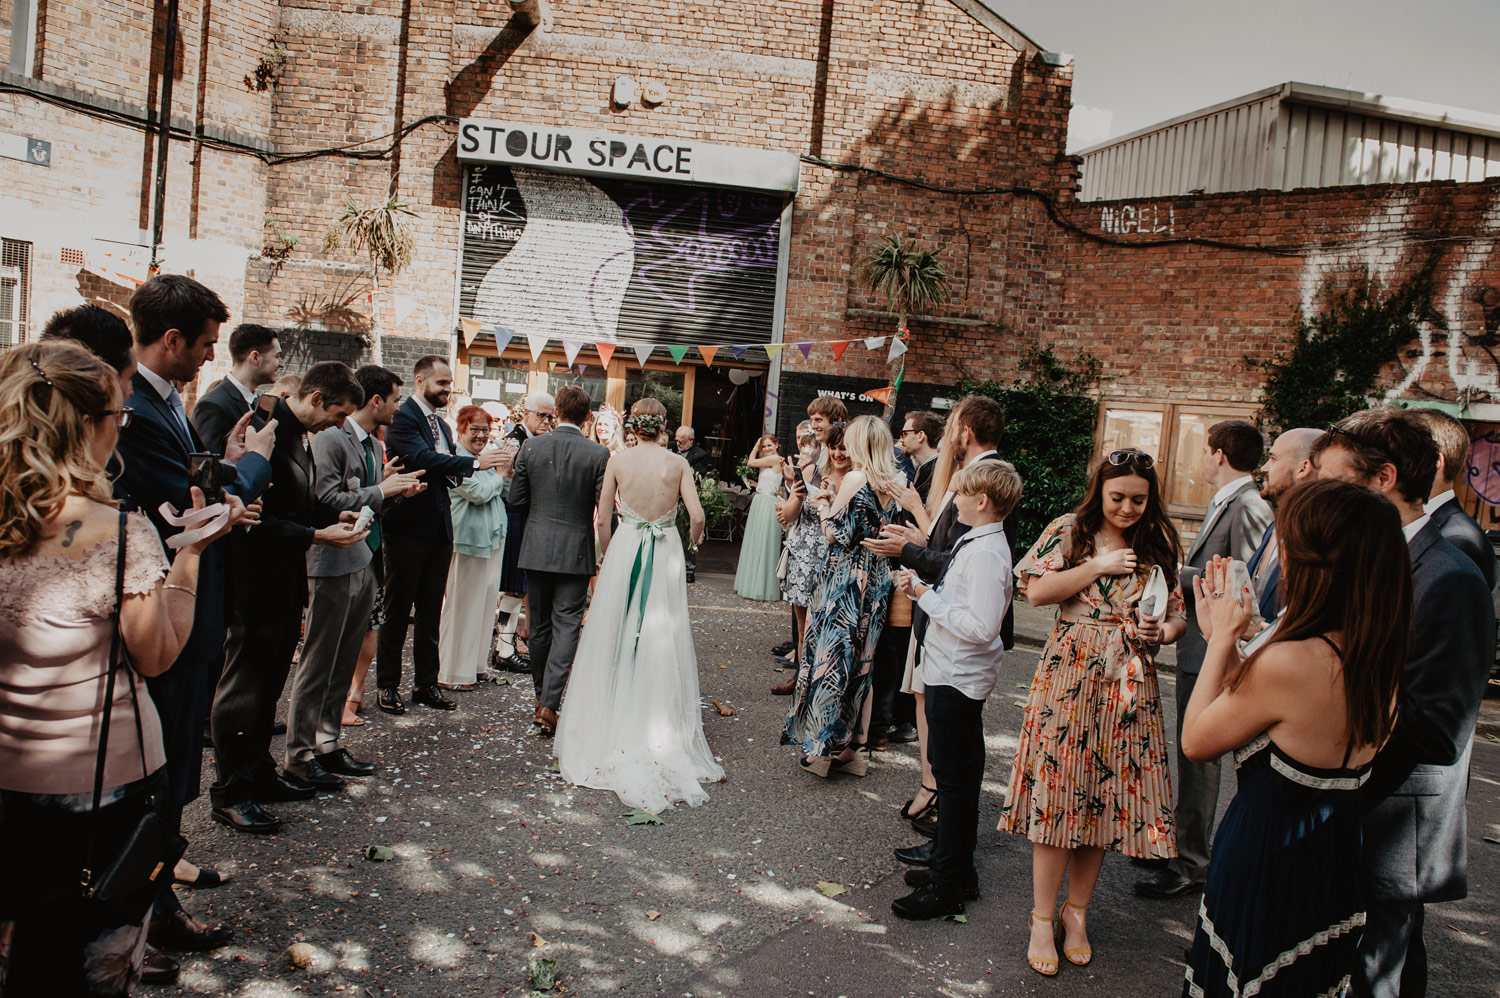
x=265, y=407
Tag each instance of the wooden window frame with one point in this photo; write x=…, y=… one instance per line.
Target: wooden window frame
x=1166, y=465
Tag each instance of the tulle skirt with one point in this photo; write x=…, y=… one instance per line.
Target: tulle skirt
x=760, y=551
x=631, y=722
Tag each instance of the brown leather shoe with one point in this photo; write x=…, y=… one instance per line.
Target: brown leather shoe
x=546, y=719
x=785, y=689
x=158, y=967
x=181, y=932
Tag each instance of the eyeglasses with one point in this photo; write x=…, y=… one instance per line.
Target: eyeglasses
x=1131, y=456
x=547, y=417
x=1335, y=430
x=123, y=414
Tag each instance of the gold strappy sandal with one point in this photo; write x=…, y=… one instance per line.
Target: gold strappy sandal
x=1042, y=965
x=1078, y=956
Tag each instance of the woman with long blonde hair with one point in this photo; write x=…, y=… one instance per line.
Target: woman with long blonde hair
x=760, y=550
x=830, y=711
x=66, y=550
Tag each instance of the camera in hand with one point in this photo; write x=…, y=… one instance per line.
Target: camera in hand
x=211, y=473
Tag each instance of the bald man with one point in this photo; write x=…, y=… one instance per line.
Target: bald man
x=1286, y=465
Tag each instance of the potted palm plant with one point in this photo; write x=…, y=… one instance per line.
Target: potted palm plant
x=910, y=278
x=382, y=235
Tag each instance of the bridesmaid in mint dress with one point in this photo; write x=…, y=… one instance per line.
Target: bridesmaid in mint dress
x=761, y=548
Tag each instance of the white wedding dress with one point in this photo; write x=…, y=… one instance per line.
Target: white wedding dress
x=631, y=721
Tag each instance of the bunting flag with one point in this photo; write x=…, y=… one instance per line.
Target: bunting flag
x=570, y=350
x=435, y=323
x=678, y=351
x=404, y=308
x=503, y=336
x=806, y=349
x=897, y=349
x=708, y=354
x=606, y=352
x=471, y=328
x=881, y=395
x=772, y=349
x=839, y=346
x=538, y=343
x=738, y=350
x=874, y=342
x=643, y=352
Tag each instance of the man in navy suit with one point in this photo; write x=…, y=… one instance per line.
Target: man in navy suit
x=1415, y=827
x=1458, y=527
x=176, y=325
x=417, y=537
x=256, y=354
x=1287, y=463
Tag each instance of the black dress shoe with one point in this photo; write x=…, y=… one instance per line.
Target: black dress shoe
x=785, y=648
x=390, y=701
x=1147, y=863
x=248, y=817
x=431, y=696
x=158, y=967
x=279, y=788
x=181, y=932
x=922, y=876
x=903, y=734
x=341, y=762
x=928, y=901
x=1167, y=884
x=916, y=855
x=312, y=774
x=785, y=662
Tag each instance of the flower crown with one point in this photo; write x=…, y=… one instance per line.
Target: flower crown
x=642, y=423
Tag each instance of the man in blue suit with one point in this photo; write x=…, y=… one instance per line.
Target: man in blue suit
x=1415, y=827
x=1457, y=527
x=417, y=537
x=176, y=325
x=1286, y=465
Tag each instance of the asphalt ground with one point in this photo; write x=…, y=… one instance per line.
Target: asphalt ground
x=497, y=861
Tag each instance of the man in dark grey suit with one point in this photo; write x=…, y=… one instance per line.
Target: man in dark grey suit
x=1457, y=527
x=557, y=479
x=1233, y=527
x=256, y=355
x=1415, y=825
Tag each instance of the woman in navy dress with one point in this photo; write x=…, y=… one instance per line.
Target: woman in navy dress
x=1303, y=708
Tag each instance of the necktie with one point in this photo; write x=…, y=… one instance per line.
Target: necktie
x=374, y=539
x=175, y=401
x=437, y=433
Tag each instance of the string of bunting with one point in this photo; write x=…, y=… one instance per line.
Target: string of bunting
x=537, y=343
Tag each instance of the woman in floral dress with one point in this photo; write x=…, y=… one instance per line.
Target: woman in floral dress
x=830, y=708
x=1091, y=769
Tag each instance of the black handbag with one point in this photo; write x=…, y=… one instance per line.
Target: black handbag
x=128, y=882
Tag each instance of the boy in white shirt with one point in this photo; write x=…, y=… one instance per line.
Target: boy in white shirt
x=961, y=650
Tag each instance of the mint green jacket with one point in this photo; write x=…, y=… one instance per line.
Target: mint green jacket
x=478, y=512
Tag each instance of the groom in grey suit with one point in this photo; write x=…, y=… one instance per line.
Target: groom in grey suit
x=1235, y=523
x=557, y=479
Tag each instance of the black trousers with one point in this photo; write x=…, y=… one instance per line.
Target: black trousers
x=416, y=572
x=557, y=603
x=955, y=748
x=887, y=670
x=264, y=629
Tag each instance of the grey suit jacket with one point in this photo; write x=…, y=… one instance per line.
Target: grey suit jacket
x=557, y=479
x=343, y=482
x=1416, y=830
x=1234, y=532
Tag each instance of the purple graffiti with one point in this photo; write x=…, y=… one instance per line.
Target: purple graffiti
x=1484, y=467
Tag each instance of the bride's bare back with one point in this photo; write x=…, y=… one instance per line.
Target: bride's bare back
x=649, y=479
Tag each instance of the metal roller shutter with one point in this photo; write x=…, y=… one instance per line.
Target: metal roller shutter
x=596, y=258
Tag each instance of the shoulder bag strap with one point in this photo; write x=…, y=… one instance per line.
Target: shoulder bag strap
x=109, y=700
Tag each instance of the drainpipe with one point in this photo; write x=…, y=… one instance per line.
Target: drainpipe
x=163, y=135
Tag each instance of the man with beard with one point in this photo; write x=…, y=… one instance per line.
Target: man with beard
x=1287, y=464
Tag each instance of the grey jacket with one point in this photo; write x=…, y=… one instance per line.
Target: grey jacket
x=557, y=479
x=1234, y=532
x=343, y=483
x=1416, y=829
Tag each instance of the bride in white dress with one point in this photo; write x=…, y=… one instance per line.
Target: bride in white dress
x=631, y=722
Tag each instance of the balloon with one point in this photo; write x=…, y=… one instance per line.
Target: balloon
x=738, y=375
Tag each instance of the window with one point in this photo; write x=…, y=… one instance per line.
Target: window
x=1133, y=427
x=15, y=291
x=23, y=37
x=1174, y=434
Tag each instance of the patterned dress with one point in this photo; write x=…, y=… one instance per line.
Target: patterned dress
x=807, y=549
x=830, y=709
x=1091, y=768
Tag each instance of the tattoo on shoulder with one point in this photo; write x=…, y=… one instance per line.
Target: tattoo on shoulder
x=69, y=531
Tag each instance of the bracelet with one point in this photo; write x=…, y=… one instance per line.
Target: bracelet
x=191, y=592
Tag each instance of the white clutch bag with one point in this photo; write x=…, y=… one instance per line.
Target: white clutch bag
x=1153, y=602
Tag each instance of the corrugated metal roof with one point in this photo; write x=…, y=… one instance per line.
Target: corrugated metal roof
x=1295, y=135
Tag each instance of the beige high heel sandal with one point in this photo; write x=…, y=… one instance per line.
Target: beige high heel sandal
x=1040, y=964
x=1078, y=956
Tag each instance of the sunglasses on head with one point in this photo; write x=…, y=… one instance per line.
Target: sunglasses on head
x=1334, y=430
x=1130, y=456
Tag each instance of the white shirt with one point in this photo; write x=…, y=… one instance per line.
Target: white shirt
x=1411, y=529
x=1437, y=500
x=1222, y=496
x=162, y=385
x=962, y=647
x=440, y=444
x=948, y=496
x=248, y=395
